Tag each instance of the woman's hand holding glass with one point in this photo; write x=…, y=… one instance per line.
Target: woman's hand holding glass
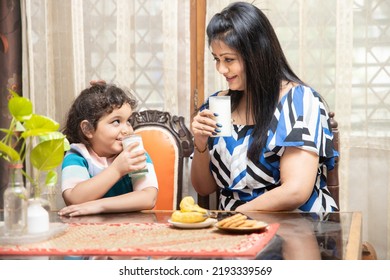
x=203, y=126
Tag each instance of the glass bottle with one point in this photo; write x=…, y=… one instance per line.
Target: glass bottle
x=15, y=202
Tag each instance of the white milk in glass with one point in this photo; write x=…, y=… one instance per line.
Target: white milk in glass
x=126, y=142
x=221, y=106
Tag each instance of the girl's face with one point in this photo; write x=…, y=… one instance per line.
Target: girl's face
x=229, y=63
x=106, y=140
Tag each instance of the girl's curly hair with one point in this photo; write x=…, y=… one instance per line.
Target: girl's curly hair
x=93, y=103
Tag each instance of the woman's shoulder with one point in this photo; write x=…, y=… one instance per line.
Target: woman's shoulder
x=298, y=93
x=220, y=93
x=302, y=101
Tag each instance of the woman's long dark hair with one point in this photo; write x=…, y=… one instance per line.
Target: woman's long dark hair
x=244, y=28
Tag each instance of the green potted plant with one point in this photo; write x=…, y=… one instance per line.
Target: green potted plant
x=35, y=141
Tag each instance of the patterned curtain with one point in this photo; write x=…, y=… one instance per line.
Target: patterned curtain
x=10, y=68
x=141, y=45
x=138, y=44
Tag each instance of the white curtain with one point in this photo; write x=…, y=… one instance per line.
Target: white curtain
x=141, y=45
x=342, y=49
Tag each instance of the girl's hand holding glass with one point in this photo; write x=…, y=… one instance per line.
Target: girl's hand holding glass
x=131, y=159
x=139, y=147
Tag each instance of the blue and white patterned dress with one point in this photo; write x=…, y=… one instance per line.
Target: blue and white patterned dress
x=300, y=120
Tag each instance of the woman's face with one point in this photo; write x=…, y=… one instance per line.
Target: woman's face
x=229, y=63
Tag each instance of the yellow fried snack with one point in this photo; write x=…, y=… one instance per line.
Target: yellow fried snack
x=235, y=221
x=236, y=224
x=225, y=222
x=187, y=204
x=249, y=223
x=241, y=223
x=188, y=217
x=238, y=221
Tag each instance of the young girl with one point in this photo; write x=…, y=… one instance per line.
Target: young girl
x=95, y=169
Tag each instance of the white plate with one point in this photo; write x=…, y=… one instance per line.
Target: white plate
x=208, y=222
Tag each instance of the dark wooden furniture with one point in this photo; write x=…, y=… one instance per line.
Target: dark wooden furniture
x=333, y=175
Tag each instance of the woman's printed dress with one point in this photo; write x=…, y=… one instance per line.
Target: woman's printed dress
x=300, y=120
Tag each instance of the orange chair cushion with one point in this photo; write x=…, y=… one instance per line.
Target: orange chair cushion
x=162, y=149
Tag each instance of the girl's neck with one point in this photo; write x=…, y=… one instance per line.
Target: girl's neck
x=103, y=158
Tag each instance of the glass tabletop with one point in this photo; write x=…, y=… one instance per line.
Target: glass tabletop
x=298, y=236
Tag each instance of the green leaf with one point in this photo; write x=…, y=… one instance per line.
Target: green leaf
x=39, y=125
x=51, y=136
x=55, y=135
x=9, y=151
x=20, y=108
x=48, y=154
x=66, y=144
x=51, y=178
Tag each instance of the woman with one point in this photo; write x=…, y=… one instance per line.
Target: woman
x=95, y=170
x=281, y=144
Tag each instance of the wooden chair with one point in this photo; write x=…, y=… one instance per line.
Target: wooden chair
x=168, y=141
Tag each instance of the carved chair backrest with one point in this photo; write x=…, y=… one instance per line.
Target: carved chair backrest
x=168, y=141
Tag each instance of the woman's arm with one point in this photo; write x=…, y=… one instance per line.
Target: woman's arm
x=298, y=172
x=201, y=178
x=203, y=126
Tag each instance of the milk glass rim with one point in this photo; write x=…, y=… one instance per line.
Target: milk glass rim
x=220, y=97
x=131, y=136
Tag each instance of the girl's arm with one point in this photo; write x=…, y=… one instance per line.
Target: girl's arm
x=144, y=199
x=97, y=186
